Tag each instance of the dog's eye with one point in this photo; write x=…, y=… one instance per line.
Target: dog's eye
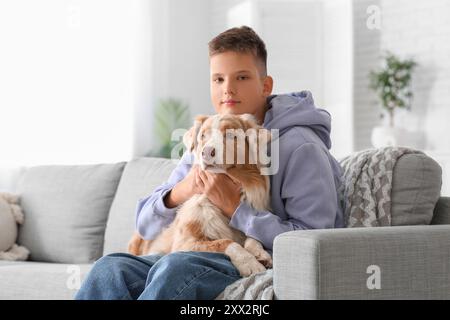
x=205, y=135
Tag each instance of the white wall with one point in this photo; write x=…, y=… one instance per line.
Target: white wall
x=366, y=44
x=294, y=38
x=65, y=81
x=80, y=78
x=421, y=29
x=189, y=33
x=409, y=28
x=172, y=39
x=148, y=16
x=338, y=73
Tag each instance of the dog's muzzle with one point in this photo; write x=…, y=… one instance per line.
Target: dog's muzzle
x=208, y=154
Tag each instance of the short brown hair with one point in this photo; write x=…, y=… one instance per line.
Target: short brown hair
x=243, y=40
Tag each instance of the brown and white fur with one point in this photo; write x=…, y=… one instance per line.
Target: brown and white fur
x=199, y=225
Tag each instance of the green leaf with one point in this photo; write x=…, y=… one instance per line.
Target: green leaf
x=170, y=114
x=392, y=81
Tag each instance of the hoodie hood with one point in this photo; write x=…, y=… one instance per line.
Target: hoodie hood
x=297, y=109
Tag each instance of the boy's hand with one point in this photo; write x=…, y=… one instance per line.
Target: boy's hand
x=221, y=190
x=184, y=189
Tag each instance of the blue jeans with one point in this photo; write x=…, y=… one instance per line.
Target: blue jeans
x=180, y=275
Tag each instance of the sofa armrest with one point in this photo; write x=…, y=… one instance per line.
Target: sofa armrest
x=407, y=262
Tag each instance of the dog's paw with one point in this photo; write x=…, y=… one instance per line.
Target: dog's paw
x=264, y=258
x=255, y=247
x=249, y=267
x=243, y=260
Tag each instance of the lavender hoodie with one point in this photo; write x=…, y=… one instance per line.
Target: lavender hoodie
x=303, y=191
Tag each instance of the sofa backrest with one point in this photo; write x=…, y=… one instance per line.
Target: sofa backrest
x=66, y=208
x=9, y=176
x=76, y=214
x=140, y=177
x=416, y=188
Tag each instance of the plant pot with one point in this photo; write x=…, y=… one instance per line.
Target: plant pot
x=384, y=136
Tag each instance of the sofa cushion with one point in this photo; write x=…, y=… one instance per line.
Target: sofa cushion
x=66, y=208
x=140, y=177
x=416, y=187
x=36, y=280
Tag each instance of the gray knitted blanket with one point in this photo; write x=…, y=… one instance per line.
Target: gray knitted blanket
x=366, y=189
x=365, y=196
x=258, y=286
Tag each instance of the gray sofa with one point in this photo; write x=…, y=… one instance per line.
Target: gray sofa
x=76, y=214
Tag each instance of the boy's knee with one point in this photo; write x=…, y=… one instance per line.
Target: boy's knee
x=190, y=275
x=179, y=262
x=176, y=259
x=188, y=262
x=109, y=263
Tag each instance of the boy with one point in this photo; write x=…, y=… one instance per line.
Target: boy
x=303, y=190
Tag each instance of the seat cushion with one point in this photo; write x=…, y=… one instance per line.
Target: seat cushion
x=140, y=177
x=66, y=208
x=416, y=187
x=36, y=280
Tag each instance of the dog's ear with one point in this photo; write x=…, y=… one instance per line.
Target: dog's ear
x=190, y=137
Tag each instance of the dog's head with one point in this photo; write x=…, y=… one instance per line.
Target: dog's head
x=220, y=142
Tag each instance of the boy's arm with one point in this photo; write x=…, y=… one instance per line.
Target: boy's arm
x=309, y=194
x=156, y=211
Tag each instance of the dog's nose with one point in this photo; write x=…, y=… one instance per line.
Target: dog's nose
x=208, y=152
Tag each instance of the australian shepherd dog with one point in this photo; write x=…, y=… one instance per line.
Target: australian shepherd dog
x=229, y=144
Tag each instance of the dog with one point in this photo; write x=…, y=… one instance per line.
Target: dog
x=199, y=225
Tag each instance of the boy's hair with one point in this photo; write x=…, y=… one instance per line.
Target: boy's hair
x=243, y=40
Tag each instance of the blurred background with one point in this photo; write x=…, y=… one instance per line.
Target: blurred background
x=92, y=81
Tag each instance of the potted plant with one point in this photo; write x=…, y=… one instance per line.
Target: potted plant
x=392, y=83
x=170, y=114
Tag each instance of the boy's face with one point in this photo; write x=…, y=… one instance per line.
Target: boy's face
x=237, y=86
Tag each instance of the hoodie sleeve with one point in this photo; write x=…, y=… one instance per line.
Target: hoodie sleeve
x=151, y=213
x=309, y=195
